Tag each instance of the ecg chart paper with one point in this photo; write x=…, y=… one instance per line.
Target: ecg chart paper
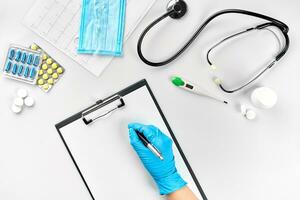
x=58, y=22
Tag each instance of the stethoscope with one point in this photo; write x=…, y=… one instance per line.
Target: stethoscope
x=178, y=8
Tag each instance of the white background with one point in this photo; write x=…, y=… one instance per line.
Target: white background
x=233, y=158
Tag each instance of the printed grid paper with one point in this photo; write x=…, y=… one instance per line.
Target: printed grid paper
x=58, y=22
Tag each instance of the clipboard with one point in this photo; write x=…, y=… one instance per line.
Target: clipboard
x=91, y=120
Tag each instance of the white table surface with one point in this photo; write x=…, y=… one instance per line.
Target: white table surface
x=233, y=158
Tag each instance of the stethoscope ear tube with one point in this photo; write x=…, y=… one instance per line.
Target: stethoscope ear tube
x=249, y=82
x=177, y=8
x=141, y=39
x=279, y=55
x=282, y=26
x=284, y=30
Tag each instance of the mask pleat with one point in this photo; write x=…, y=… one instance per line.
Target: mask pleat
x=102, y=27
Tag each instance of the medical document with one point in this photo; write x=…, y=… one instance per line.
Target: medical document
x=58, y=22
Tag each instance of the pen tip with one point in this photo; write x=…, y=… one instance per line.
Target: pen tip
x=225, y=102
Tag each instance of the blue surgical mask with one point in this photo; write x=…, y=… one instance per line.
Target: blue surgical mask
x=102, y=27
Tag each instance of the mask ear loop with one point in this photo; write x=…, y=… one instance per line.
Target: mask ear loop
x=218, y=81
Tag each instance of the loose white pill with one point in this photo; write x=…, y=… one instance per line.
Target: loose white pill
x=250, y=114
x=243, y=109
x=22, y=93
x=16, y=109
x=29, y=101
x=18, y=101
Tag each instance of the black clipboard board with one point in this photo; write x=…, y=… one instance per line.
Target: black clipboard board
x=124, y=92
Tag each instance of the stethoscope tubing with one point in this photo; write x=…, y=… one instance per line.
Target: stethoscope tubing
x=282, y=26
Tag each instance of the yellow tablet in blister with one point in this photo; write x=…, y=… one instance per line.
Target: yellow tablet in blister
x=34, y=47
x=41, y=72
x=45, y=76
x=45, y=56
x=50, y=81
x=49, y=61
x=60, y=70
x=44, y=66
x=50, y=71
x=41, y=82
x=54, y=66
x=55, y=75
x=46, y=87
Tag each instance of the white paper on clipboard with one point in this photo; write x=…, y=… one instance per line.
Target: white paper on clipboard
x=58, y=22
x=107, y=161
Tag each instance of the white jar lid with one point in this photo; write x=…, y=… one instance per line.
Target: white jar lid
x=264, y=97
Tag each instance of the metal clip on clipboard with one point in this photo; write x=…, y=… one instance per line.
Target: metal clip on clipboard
x=100, y=104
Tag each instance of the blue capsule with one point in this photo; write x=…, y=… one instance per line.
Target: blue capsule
x=36, y=61
x=18, y=55
x=32, y=73
x=23, y=58
x=11, y=54
x=20, y=70
x=8, y=66
x=15, y=69
x=30, y=59
x=26, y=72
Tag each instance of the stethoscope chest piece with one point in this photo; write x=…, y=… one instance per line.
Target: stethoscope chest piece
x=179, y=6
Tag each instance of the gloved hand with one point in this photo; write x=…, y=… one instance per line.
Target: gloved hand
x=163, y=171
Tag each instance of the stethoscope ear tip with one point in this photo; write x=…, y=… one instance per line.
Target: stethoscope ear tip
x=213, y=67
x=179, y=8
x=217, y=80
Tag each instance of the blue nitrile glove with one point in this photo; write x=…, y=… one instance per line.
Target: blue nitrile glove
x=163, y=171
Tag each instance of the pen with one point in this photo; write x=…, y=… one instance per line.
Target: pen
x=150, y=146
x=191, y=87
